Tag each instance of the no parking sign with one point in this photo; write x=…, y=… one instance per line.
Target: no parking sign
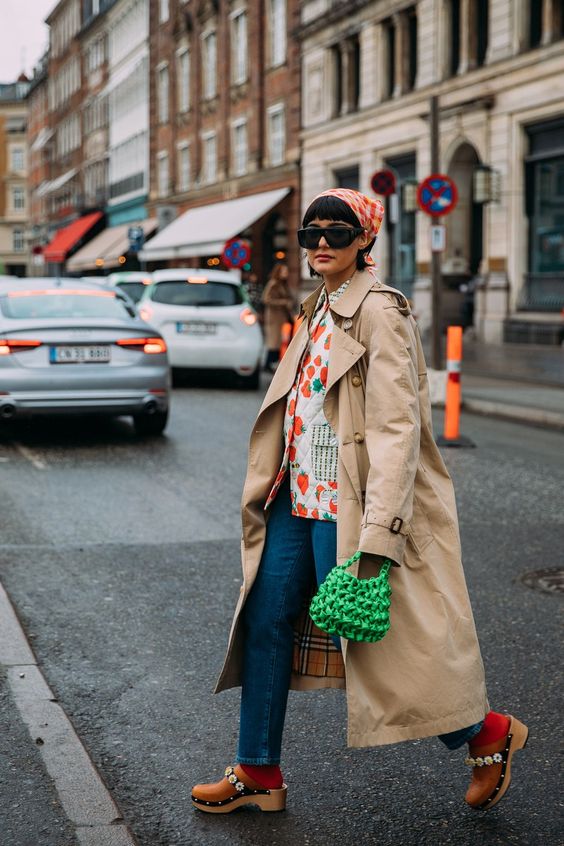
x=437, y=195
x=236, y=253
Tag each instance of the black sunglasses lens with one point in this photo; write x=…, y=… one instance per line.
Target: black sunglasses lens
x=336, y=237
x=309, y=238
x=339, y=238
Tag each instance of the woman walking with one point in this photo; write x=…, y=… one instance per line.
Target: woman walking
x=342, y=459
x=278, y=302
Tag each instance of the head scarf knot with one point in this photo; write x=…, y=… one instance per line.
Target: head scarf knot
x=369, y=211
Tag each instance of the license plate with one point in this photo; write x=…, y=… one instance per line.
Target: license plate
x=80, y=355
x=196, y=327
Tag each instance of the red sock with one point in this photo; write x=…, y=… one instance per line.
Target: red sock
x=494, y=728
x=267, y=775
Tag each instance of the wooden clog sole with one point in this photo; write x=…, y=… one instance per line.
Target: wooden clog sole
x=273, y=800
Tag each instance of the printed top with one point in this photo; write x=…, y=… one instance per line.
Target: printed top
x=310, y=443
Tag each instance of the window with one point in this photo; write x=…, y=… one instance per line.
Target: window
x=210, y=65
x=213, y=293
x=454, y=38
x=277, y=31
x=18, y=198
x=411, y=49
x=239, y=48
x=17, y=159
x=18, y=244
x=481, y=17
x=240, y=148
x=348, y=177
x=163, y=11
x=210, y=157
x=276, y=135
x=183, y=76
x=535, y=23
x=545, y=210
x=184, y=170
x=401, y=249
x=162, y=75
x=390, y=48
x=162, y=174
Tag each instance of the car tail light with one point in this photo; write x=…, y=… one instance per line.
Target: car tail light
x=248, y=316
x=145, y=313
x=151, y=346
x=11, y=345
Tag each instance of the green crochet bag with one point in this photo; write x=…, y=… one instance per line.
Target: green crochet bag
x=353, y=608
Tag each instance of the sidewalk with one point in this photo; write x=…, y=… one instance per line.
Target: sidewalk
x=515, y=382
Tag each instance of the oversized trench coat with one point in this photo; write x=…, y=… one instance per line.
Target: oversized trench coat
x=396, y=500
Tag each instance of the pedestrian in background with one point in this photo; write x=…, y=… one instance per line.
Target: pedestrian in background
x=278, y=301
x=342, y=459
x=254, y=292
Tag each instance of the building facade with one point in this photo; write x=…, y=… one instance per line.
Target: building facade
x=14, y=204
x=225, y=116
x=127, y=93
x=369, y=70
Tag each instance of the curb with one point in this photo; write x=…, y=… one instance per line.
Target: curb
x=84, y=797
x=516, y=413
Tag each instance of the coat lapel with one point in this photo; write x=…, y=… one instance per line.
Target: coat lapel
x=345, y=352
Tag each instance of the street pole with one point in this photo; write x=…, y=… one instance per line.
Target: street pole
x=435, y=255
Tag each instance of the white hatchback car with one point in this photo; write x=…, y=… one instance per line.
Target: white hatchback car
x=206, y=320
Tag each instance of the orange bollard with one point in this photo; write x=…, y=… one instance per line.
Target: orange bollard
x=288, y=332
x=286, y=337
x=452, y=436
x=453, y=392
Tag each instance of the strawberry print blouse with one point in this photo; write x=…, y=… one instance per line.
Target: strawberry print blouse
x=310, y=452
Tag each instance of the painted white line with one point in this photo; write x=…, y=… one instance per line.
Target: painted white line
x=82, y=793
x=34, y=459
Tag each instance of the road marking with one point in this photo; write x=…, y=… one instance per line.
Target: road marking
x=82, y=793
x=31, y=456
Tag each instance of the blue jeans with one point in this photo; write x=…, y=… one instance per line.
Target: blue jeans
x=295, y=549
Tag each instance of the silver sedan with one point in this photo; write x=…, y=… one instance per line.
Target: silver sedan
x=70, y=347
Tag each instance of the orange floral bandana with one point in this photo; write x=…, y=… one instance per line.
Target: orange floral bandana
x=368, y=210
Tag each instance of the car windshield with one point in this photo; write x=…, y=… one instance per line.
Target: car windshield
x=210, y=293
x=23, y=305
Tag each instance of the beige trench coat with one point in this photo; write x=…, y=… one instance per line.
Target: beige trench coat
x=395, y=499
x=278, y=308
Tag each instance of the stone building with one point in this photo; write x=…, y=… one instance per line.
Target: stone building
x=40, y=146
x=14, y=206
x=369, y=69
x=225, y=113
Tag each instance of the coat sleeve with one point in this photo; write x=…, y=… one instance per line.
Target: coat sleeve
x=392, y=434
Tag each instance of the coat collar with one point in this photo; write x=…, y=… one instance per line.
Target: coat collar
x=349, y=302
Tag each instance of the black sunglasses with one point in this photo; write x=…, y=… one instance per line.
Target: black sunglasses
x=338, y=237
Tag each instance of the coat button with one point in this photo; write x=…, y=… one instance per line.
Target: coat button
x=356, y=380
x=347, y=323
x=358, y=438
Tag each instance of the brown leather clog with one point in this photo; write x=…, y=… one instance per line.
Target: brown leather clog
x=235, y=789
x=491, y=767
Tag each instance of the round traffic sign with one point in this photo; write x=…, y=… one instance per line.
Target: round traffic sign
x=236, y=253
x=383, y=182
x=437, y=194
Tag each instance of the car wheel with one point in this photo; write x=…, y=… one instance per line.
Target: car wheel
x=252, y=382
x=150, y=424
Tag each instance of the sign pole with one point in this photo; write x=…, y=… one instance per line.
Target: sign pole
x=436, y=281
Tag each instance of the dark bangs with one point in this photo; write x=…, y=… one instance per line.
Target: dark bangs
x=330, y=208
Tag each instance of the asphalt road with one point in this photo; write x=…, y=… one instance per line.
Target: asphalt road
x=122, y=558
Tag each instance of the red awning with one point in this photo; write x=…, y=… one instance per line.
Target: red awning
x=68, y=236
